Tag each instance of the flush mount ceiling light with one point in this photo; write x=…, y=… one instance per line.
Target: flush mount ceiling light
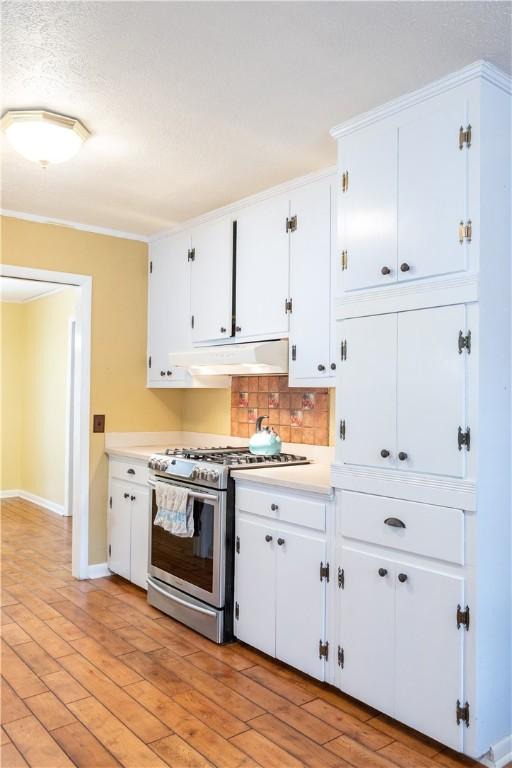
x=43, y=137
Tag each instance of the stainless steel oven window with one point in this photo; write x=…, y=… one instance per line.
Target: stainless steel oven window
x=194, y=565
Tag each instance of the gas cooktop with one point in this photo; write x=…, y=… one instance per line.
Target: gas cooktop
x=211, y=466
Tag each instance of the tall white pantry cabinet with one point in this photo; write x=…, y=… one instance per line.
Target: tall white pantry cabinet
x=422, y=467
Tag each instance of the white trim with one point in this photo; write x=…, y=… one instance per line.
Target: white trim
x=499, y=755
x=73, y=225
x=473, y=71
x=80, y=536
x=27, y=496
x=98, y=571
x=70, y=417
x=231, y=208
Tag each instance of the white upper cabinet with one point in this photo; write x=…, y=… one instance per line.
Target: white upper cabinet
x=403, y=196
x=169, y=307
x=262, y=269
x=310, y=266
x=211, y=260
x=401, y=391
x=432, y=191
x=431, y=390
x=366, y=394
x=367, y=208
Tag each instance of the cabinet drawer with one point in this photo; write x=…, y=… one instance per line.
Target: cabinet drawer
x=281, y=507
x=436, y=532
x=129, y=470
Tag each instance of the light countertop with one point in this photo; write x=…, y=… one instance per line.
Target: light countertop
x=315, y=478
x=141, y=452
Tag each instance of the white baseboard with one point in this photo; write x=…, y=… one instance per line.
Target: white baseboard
x=27, y=496
x=97, y=571
x=499, y=755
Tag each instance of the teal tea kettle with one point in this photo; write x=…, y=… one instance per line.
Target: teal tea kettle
x=265, y=441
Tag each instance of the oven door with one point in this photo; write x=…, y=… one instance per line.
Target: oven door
x=194, y=565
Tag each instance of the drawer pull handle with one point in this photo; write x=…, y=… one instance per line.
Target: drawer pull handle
x=274, y=507
x=383, y=571
x=402, y=456
x=394, y=522
x=268, y=537
x=280, y=542
x=132, y=498
x=384, y=453
x=402, y=577
x=130, y=471
x=126, y=495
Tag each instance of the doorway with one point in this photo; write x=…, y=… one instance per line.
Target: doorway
x=55, y=376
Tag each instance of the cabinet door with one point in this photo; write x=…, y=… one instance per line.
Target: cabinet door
x=300, y=602
x=169, y=306
x=432, y=191
x=367, y=209
x=139, y=536
x=310, y=281
x=262, y=269
x=367, y=629
x=255, y=586
x=428, y=672
x=367, y=390
x=119, y=528
x=431, y=390
x=211, y=280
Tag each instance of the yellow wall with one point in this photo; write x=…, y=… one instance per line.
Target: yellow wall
x=118, y=356
x=44, y=393
x=11, y=381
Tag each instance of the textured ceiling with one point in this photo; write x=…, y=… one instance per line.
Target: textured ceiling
x=193, y=105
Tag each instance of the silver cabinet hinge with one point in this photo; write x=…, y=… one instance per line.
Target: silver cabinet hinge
x=324, y=572
x=291, y=223
x=323, y=650
x=462, y=713
x=341, y=578
x=191, y=254
x=344, y=181
x=288, y=306
x=294, y=351
x=150, y=267
x=341, y=657
x=343, y=350
x=237, y=611
x=343, y=430
x=464, y=438
x=110, y=502
x=149, y=362
x=463, y=617
x=464, y=342
x=237, y=547
x=464, y=136
x=465, y=231
x=192, y=321
x=344, y=260
x=109, y=550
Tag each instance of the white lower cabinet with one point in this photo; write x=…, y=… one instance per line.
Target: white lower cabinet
x=400, y=646
x=128, y=524
x=280, y=593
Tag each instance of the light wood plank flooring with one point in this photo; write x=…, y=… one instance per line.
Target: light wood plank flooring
x=94, y=677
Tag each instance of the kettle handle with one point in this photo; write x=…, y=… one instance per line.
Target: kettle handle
x=259, y=422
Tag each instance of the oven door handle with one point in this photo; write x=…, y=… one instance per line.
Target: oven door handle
x=193, y=494
x=180, y=601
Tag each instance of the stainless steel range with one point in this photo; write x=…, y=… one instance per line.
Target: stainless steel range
x=191, y=579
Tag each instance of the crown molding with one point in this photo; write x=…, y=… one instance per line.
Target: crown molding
x=72, y=225
x=479, y=69
x=232, y=208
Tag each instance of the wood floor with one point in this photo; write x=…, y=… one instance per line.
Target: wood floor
x=92, y=676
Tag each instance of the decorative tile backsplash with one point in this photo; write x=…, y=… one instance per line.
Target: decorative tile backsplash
x=297, y=415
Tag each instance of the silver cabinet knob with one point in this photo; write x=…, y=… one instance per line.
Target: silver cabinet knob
x=169, y=373
x=274, y=507
x=402, y=577
x=268, y=537
x=162, y=373
x=222, y=329
x=280, y=542
x=321, y=367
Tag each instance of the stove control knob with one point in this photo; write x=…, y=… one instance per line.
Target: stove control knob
x=203, y=474
x=195, y=473
x=212, y=475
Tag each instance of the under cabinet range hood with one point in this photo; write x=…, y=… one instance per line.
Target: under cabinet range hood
x=262, y=357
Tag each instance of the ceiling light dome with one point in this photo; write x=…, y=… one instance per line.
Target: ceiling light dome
x=43, y=137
